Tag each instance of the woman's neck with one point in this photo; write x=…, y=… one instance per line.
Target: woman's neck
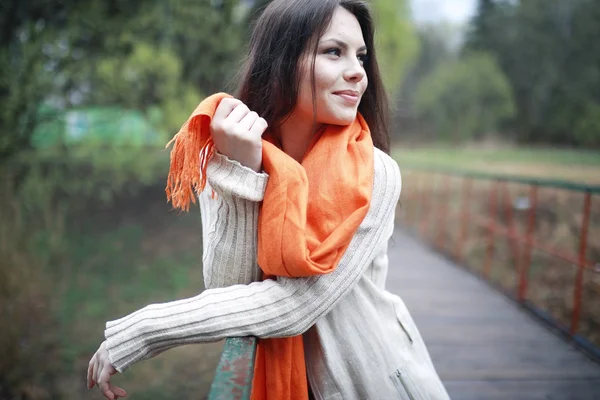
x=296, y=134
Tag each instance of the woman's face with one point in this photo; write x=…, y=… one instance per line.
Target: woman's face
x=340, y=78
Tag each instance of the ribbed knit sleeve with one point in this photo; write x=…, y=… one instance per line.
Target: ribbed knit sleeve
x=229, y=221
x=272, y=308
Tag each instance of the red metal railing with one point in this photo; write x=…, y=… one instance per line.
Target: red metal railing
x=443, y=207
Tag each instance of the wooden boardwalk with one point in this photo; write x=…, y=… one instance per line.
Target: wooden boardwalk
x=483, y=345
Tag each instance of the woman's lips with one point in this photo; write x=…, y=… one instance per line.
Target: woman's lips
x=350, y=97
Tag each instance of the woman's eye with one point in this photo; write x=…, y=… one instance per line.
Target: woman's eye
x=363, y=58
x=334, y=51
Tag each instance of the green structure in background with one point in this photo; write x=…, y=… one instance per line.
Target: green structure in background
x=101, y=126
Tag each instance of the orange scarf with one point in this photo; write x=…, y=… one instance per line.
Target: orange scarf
x=310, y=213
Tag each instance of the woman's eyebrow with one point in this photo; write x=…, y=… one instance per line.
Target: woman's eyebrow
x=342, y=44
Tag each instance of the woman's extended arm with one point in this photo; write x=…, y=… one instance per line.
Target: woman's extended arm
x=272, y=308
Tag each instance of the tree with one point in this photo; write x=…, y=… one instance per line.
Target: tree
x=145, y=55
x=548, y=51
x=482, y=25
x=465, y=99
x=436, y=46
x=396, y=41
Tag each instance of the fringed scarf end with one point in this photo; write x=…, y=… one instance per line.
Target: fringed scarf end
x=191, y=152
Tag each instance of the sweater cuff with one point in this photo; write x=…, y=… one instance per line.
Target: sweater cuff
x=113, y=345
x=229, y=177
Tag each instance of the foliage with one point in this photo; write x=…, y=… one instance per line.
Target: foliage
x=153, y=56
x=153, y=79
x=396, y=41
x=67, y=261
x=45, y=197
x=548, y=51
x=26, y=304
x=437, y=44
x=435, y=48
x=465, y=99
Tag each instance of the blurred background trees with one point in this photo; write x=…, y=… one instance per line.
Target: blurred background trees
x=466, y=98
x=544, y=50
x=152, y=56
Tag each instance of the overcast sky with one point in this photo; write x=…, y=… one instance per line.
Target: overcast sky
x=436, y=10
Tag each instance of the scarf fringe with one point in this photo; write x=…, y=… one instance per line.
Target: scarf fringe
x=190, y=155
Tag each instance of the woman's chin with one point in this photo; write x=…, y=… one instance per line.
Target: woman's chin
x=341, y=119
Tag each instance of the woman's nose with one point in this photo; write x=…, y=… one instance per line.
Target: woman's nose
x=355, y=72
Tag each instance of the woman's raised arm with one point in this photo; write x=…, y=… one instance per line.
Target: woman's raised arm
x=229, y=223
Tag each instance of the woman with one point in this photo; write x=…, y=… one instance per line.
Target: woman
x=300, y=184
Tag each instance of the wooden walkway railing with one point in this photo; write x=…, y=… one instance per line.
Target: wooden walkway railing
x=536, y=239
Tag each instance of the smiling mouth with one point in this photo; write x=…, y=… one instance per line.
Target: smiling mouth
x=350, y=97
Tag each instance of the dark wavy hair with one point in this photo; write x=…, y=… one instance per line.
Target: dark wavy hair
x=269, y=80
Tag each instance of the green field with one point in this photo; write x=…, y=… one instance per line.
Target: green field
x=149, y=255
x=110, y=262
x=564, y=164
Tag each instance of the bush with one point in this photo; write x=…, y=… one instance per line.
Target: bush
x=465, y=99
x=25, y=306
x=43, y=196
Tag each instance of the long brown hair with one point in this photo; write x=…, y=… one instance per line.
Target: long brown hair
x=270, y=78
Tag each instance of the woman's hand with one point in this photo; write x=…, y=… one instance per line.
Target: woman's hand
x=237, y=133
x=99, y=372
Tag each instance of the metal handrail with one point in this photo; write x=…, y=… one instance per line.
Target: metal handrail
x=234, y=373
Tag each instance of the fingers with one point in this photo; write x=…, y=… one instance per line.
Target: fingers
x=237, y=133
x=259, y=127
x=238, y=114
x=112, y=392
x=248, y=121
x=99, y=372
x=225, y=108
x=90, y=371
x=108, y=390
x=95, y=371
x=118, y=391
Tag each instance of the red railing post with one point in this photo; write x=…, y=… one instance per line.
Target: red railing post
x=443, y=211
x=422, y=206
x=464, y=218
x=582, y=261
x=418, y=206
x=431, y=203
x=491, y=230
x=526, y=262
x=512, y=235
x=413, y=197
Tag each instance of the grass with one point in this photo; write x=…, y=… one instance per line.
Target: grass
x=581, y=166
x=148, y=255
x=87, y=259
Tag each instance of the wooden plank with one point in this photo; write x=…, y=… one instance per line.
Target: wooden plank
x=524, y=390
x=449, y=304
x=518, y=361
x=484, y=345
